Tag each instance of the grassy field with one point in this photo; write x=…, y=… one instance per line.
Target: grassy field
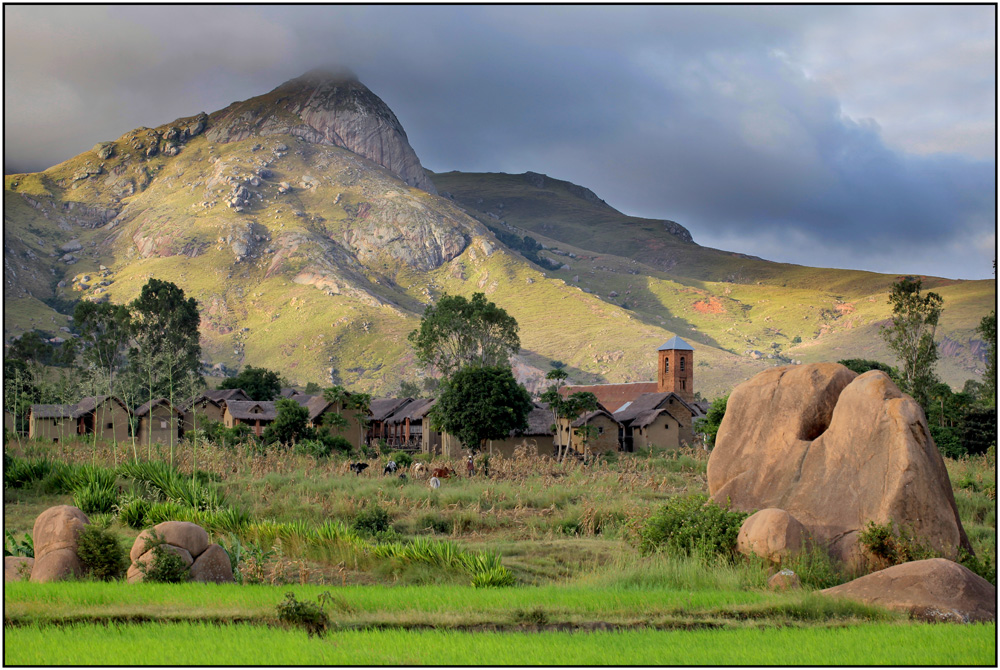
x=582, y=593
x=206, y=644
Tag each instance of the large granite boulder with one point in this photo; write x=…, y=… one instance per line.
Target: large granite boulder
x=935, y=589
x=835, y=450
x=55, y=535
x=206, y=562
x=17, y=568
x=773, y=534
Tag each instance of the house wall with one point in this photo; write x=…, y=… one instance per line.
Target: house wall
x=683, y=416
x=607, y=440
x=431, y=442
x=111, y=422
x=158, y=433
x=355, y=430
x=48, y=430
x=206, y=410
x=664, y=433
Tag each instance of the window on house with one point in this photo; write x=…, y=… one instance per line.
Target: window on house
x=163, y=424
x=666, y=365
x=110, y=424
x=683, y=384
x=682, y=364
x=55, y=439
x=600, y=430
x=55, y=422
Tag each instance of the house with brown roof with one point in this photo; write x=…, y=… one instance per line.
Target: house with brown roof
x=319, y=407
x=591, y=433
x=408, y=428
x=672, y=392
x=257, y=414
x=159, y=421
x=538, y=439
x=210, y=406
x=656, y=419
x=379, y=410
x=107, y=416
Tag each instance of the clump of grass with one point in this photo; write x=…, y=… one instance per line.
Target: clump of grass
x=95, y=498
x=304, y=614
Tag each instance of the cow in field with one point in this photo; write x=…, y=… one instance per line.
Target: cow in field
x=358, y=468
x=418, y=469
x=443, y=473
x=390, y=468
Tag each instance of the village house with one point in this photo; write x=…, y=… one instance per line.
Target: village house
x=379, y=410
x=256, y=414
x=105, y=416
x=537, y=439
x=159, y=421
x=8, y=422
x=210, y=405
x=409, y=429
x=319, y=407
x=630, y=404
x=603, y=434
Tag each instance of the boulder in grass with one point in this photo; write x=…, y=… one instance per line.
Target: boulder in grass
x=934, y=589
x=56, y=533
x=135, y=572
x=185, y=534
x=835, y=450
x=212, y=566
x=772, y=534
x=784, y=580
x=17, y=568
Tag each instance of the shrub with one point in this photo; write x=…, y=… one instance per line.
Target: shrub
x=887, y=545
x=983, y=566
x=101, y=553
x=165, y=566
x=403, y=459
x=94, y=498
x=433, y=522
x=372, y=520
x=305, y=614
x=133, y=513
x=692, y=523
x=11, y=547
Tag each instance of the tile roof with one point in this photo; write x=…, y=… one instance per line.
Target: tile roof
x=414, y=410
x=539, y=421
x=646, y=402
x=647, y=417
x=52, y=411
x=90, y=403
x=612, y=396
x=586, y=418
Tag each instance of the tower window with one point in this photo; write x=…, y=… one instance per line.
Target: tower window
x=682, y=364
x=683, y=384
x=666, y=365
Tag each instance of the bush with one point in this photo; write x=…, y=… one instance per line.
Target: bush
x=403, y=459
x=305, y=614
x=166, y=566
x=433, y=522
x=101, y=553
x=692, y=523
x=94, y=498
x=372, y=520
x=20, y=472
x=887, y=545
x=948, y=441
x=133, y=513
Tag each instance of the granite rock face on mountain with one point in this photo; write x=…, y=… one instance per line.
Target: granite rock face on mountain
x=326, y=108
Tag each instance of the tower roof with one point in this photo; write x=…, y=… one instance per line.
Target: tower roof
x=676, y=343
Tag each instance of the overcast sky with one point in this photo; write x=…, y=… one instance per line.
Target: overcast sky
x=837, y=136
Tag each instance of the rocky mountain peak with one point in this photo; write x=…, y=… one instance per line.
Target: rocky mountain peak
x=330, y=107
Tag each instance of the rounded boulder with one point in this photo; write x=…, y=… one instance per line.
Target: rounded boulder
x=57, y=565
x=773, y=534
x=58, y=528
x=212, y=566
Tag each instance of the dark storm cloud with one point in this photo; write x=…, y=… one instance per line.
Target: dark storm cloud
x=729, y=120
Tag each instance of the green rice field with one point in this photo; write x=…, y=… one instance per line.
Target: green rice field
x=207, y=644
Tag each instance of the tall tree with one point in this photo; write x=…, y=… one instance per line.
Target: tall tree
x=480, y=404
x=166, y=338
x=457, y=332
x=911, y=335
x=291, y=424
x=258, y=383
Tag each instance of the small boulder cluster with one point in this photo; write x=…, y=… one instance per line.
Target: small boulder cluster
x=206, y=562
x=56, y=535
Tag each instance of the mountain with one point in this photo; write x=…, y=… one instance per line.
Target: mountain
x=305, y=226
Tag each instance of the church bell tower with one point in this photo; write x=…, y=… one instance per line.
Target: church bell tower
x=675, y=369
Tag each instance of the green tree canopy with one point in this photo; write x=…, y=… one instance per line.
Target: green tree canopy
x=911, y=336
x=457, y=332
x=166, y=344
x=709, y=424
x=863, y=365
x=258, y=383
x=291, y=424
x=481, y=403
x=988, y=330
